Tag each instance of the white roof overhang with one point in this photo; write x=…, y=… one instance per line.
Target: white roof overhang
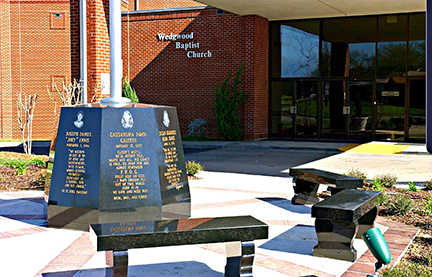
x=302, y=9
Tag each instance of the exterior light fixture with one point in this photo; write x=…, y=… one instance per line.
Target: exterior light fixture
x=378, y=246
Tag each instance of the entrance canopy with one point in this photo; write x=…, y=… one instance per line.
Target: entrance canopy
x=300, y=9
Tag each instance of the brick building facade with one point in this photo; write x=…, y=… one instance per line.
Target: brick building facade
x=39, y=42
x=183, y=72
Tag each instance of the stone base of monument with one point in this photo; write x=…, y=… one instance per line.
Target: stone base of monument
x=116, y=165
x=239, y=232
x=340, y=219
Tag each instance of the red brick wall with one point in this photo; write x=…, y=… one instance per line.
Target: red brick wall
x=165, y=4
x=40, y=49
x=164, y=75
x=97, y=44
x=5, y=72
x=255, y=43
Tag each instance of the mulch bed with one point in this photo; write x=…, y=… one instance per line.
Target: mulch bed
x=32, y=179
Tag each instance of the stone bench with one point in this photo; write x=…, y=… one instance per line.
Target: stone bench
x=339, y=219
x=119, y=237
x=307, y=180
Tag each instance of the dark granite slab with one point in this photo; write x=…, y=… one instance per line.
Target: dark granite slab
x=348, y=205
x=129, y=235
x=117, y=164
x=326, y=178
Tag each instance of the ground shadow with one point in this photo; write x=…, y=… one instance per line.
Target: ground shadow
x=286, y=204
x=300, y=239
x=27, y=210
x=191, y=269
x=267, y=162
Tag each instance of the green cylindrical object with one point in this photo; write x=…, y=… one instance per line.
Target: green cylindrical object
x=377, y=245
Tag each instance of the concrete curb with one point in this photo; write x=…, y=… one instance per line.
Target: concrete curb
x=263, y=145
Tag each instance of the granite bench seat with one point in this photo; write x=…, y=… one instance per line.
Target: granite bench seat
x=340, y=219
x=307, y=180
x=119, y=237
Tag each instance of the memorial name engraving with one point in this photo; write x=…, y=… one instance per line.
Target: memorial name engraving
x=129, y=183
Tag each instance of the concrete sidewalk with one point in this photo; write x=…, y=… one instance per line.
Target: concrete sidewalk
x=374, y=147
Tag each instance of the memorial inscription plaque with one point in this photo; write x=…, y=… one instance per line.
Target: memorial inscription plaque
x=116, y=165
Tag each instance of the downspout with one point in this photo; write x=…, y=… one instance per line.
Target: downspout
x=83, y=50
x=137, y=5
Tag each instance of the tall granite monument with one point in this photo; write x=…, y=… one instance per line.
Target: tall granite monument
x=117, y=165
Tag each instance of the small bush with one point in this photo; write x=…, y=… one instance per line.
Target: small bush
x=377, y=185
x=128, y=91
x=37, y=161
x=193, y=168
x=412, y=187
x=398, y=204
x=387, y=180
x=382, y=198
x=357, y=173
x=229, y=97
x=21, y=168
x=198, y=128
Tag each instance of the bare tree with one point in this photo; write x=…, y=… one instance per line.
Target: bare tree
x=25, y=119
x=70, y=94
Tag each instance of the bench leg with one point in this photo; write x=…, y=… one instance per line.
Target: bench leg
x=120, y=263
x=240, y=266
x=335, y=240
x=305, y=193
x=366, y=222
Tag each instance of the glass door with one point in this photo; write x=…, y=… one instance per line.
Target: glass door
x=361, y=109
x=334, y=109
x=282, y=109
x=306, y=108
x=417, y=110
x=390, y=108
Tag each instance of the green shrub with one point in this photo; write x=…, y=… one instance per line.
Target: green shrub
x=382, y=198
x=398, y=204
x=357, y=173
x=228, y=99
x=377, y=185
x=129, y=92
x=387, y=180
x=37, y=161
x=21, y=168
x=193, y=168
x=412, y=187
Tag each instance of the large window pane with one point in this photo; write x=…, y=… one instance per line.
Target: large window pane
x=299, y=49
x=348, y=47
x=417, y=45
x=392, y=37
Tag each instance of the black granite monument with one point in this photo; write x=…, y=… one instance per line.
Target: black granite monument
x=116, y=165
